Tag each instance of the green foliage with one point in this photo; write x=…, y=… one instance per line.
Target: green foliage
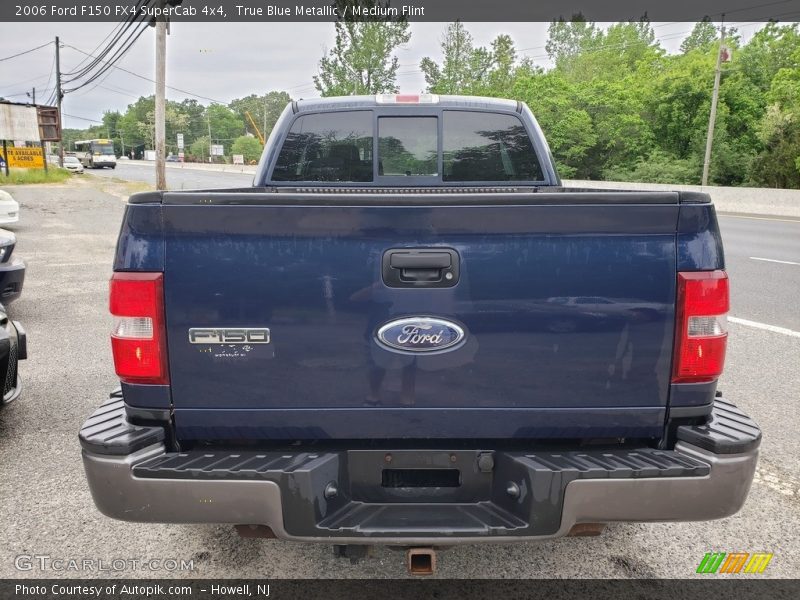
x=616, y=105
x=463, y=66
x=362, y=60
x=248, y=146
x=225, y=124
x=200, y=148
x=568, y=127
x=771, y=49
x=28, y=176
x=658, y=167
x=702, y=37
x=135, y=128
x=264, y=110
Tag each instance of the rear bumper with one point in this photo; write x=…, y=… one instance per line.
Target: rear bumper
x=12, y=276
x=340, y=496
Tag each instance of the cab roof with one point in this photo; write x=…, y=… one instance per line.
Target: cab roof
x=355, y=102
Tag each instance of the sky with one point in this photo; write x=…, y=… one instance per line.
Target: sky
x=223, y=61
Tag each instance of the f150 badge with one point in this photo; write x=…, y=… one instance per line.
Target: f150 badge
x=420, y=334
x=229, y=335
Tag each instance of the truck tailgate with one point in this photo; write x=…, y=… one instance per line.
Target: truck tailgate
x=566, y=302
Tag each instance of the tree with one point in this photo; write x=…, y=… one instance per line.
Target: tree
x=128, y=124
x=568, y=39
x=174, y=119
x=568, y=128
x=778, y=164
x=462, y=66
x=500, y=78
x=200, y=149
x=225, y=124
x=247, y=146
x=703, y=35
x=196, y=125
x=770, y=50
x=264, y=109
x=362, y=61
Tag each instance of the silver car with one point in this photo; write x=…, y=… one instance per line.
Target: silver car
x=72, y=164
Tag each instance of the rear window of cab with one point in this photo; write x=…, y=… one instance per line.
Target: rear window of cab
x=467, y=146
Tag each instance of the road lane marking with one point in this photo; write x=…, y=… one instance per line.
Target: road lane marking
x=732, y=216
x=783, y=262
x=780, y=482
x=75, y=264
x=765, y=327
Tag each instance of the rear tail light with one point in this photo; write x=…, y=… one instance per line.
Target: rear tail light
x=701, y=327
x=138, y=338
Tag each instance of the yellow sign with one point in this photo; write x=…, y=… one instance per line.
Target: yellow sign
x=25, y=158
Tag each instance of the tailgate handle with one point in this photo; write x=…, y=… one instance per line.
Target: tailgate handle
x=420, y=267
x=418, y=260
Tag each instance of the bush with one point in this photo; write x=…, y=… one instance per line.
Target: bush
x=250, y=147
x=659, y=167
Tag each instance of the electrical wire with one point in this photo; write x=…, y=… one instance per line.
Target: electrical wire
x=108, y=65
x=25, y=52
x=117, y=33
x=82, y=118
x=175, y=89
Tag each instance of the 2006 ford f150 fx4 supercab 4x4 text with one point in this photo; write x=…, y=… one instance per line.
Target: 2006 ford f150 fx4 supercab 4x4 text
x=408, y=332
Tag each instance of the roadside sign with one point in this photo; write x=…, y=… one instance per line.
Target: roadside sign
x=181, y=156
x=180, y=141
x=18, y=122
x=217, y=150
x=49, y=124
x=25, y=158
x=238, y=159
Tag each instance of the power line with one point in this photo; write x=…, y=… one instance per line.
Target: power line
x=117, y=34
x=25, y=52
x=119, y=26
x=214, y=100
x=82, y=118
x=107, y=66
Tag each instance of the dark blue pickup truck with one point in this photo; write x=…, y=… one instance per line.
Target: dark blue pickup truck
x=408, y=332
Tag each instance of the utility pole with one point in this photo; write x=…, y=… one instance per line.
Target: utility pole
x=59, y=96
x=210, y=160
x=712, y=118
x=160, y=112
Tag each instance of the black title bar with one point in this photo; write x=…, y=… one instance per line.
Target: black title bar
x=411, y=10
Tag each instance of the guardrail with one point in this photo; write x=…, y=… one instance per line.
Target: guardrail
x=247, y=169
x=743, y=200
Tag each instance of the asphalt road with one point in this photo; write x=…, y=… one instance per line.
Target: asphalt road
x=177, y=178
x=67, y=235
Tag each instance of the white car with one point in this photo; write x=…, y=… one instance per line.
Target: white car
x=9, y=209
x=72, y=164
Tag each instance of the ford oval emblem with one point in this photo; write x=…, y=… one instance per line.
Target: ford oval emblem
x=420, y=334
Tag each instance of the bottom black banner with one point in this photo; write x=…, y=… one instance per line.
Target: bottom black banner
x=441, y=589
